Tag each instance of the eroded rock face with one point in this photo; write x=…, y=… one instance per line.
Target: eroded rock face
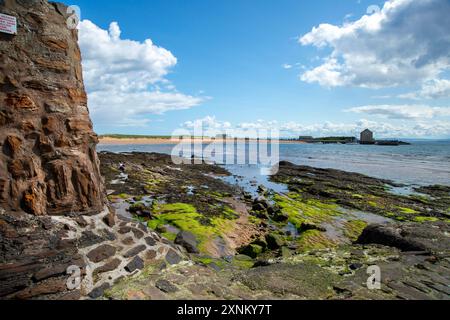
x=48, y=162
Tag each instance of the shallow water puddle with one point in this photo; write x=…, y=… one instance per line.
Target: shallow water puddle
x=406, y=191
x=291, y=230
x=171, y=229
x=122, y=205
x=190, y=190
x=335, y=229
x=368, y=217
x=249, y=178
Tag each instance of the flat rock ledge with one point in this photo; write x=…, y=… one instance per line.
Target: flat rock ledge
x=41, y=256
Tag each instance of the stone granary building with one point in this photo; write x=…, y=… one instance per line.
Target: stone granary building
x=367, y=137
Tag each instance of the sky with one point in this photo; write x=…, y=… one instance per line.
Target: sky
x=319, y=68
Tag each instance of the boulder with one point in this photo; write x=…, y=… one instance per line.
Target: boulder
x=260, y=242
x=259, y=207
x=137, y=208
x=187, y=240
x=280, y=217
x=306, y=226
x=274, y=241
x=261, y=214
x=274, y=210
x=252, y=250
x=262, y=201
x=431, y=237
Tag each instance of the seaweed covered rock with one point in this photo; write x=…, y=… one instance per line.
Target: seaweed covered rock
x=274, y=241
x=252, y=250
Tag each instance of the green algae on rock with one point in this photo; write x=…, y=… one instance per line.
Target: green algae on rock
x=185, y=217
x=301, y=235
x=354, y=228
x=363, y=193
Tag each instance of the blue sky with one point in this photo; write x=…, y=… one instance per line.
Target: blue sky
x=240, y=63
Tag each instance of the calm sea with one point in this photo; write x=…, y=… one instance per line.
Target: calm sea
x=421, y=163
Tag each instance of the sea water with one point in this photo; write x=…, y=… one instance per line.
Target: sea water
x=421, y=163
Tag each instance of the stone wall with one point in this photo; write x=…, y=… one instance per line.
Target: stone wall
x=53, y=212
x=37, y=253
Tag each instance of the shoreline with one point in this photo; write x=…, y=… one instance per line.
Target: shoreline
x=326, y=220
x=423, y=173
x=175, y=141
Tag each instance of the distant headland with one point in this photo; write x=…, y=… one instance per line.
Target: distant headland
x=366, y=138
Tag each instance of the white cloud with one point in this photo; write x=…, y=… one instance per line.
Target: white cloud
x=207, y=123
x=210, y=126
x=382, y=129
x=406, y=42
x=397, y=129
x=402, y=111
x=122, y=77
x=328, y=74
x=433, y=89
x=257, y=125
x=287, y=66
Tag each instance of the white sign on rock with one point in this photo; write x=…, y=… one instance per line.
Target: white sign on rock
x=8, y=24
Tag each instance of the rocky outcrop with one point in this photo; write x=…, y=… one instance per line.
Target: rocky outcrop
x=48, y=162
x=429, y=237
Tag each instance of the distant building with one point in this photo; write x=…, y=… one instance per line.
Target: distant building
x=367, y=137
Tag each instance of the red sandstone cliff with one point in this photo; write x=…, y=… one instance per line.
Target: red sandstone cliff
x=48, y=162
